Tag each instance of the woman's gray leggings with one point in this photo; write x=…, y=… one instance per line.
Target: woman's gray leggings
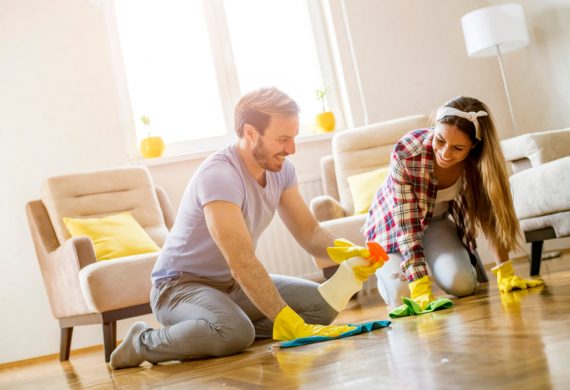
x=447, y=259
x=202, y=320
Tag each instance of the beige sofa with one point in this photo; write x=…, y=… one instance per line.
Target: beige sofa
x=81, y=290
x=540, y=184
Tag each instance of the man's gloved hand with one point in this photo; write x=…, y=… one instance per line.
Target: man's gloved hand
x=344, y=250
x=288, y=325
x=420, y=291
x=508, y=281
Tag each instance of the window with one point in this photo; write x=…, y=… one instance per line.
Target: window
x=187, y=63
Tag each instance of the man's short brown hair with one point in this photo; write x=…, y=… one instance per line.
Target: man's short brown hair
x=257, y=107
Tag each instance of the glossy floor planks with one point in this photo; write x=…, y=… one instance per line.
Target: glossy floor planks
x=490, y=341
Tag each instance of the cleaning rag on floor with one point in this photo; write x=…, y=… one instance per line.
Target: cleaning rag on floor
x=411, y=308
x=362, y=328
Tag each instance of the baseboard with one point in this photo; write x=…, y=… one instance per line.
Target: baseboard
x=53, y=356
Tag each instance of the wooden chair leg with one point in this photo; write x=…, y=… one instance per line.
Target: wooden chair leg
x=535, y=256
x=109, y=338
x=65, y=343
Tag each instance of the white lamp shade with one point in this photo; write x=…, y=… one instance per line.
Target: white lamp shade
x=486, y=28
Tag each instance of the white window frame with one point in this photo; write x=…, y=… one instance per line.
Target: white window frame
x=226, y=74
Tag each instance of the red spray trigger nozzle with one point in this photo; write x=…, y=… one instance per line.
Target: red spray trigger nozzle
x=377, y=253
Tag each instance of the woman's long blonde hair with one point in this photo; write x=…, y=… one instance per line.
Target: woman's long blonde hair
x=487, y=191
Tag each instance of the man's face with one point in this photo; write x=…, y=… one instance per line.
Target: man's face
x=269, y=150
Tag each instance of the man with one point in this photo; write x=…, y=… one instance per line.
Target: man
x=210, y=291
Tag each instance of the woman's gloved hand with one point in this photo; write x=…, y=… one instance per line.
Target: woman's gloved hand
x=420, y=291
x=288, y=325
x=508, y=281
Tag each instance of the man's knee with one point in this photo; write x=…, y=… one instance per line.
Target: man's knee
x=233, y=337
x=207, y=338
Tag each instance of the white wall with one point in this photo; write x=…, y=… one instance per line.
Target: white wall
x=59, y=115
x=412, y=58
x=60, y=111
x=539, y=74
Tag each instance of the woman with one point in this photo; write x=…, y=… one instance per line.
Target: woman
x=457, y=170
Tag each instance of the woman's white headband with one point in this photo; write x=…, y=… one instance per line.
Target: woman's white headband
x=470, y=116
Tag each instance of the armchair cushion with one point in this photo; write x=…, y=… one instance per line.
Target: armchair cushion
x=113, y=236
x=111, y=285
x=363, y=187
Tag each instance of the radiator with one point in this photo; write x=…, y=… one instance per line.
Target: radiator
x=281, y=254
x=278, y=250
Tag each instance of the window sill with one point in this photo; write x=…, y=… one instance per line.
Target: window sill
x=202, y=154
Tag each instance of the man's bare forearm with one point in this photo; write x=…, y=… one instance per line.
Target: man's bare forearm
x=259, y=288
x=320, y=240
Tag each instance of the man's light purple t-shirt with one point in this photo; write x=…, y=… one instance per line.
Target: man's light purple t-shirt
x=189, y=248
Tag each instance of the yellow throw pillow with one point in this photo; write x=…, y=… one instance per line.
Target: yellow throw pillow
x=113, y=236
x=363, y=187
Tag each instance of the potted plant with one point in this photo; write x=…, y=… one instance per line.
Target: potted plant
x=325, y=120
x=151, y=146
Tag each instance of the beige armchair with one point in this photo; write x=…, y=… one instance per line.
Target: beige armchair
x=540, y=184
x=355, y=151
x=80, y=290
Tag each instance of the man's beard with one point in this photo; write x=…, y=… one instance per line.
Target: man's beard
x=264, y=159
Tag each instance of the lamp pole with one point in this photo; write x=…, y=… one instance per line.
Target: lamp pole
x=499, y=55
x=354, y=63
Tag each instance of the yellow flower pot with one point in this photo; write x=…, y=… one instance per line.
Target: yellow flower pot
x=325, y=121
x=152, y=147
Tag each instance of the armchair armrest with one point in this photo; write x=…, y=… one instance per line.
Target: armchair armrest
x=325, y=208
x=534, y=149
x=60, y=270
x=59, y=264
x=349, y=228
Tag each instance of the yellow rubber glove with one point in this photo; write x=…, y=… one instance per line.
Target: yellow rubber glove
x=288, y=325
x=421, y=291
x=508, y=281
x=344, y=250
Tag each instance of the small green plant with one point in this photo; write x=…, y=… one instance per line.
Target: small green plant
x=321, y=94
x=146, y=122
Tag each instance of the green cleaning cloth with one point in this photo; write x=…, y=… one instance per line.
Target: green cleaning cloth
x=362, y=328
x=411, y=308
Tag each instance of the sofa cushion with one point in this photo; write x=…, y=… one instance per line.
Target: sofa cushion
x=541, y=190
x=560, y=222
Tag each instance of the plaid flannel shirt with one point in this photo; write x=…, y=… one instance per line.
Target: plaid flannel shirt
x=403, y=206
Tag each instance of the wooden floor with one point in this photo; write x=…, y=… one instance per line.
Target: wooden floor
x=515, y=341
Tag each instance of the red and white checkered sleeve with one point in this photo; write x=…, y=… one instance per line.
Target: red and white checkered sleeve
x=407, y=219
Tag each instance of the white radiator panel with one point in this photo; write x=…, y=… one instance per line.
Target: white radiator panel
x=278, y=250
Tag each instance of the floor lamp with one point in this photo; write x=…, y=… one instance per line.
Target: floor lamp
x=494, y=31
